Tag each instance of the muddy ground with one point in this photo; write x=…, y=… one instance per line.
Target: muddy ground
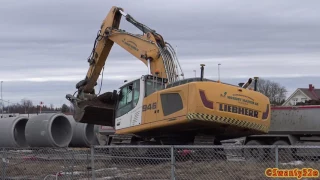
x=45, y=164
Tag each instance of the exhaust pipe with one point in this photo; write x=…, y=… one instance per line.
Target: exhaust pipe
x=83, y=134
x=48, y=130
x=12, y=132
x=202, y=69
x=255, y=83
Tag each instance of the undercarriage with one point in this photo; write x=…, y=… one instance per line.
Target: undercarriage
x=142, y=147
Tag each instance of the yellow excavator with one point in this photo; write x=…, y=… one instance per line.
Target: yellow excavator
x=162, y=107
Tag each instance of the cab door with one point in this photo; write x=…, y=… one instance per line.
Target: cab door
x=136, y=116
x=123, y=113
x=150, y=103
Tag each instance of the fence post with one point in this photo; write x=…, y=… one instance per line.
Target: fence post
x=277, y=156
x=92, y=163
x=172, y=164
x=4, y=161
x=72, y=169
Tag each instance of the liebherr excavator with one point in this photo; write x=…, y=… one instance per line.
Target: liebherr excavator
x=161, y=107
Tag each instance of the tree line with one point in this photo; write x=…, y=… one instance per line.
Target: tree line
x=276, y=93
x=26, y=106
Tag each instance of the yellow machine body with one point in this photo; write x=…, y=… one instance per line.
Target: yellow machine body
x=206, y=107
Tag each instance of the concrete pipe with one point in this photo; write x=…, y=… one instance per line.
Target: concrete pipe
x=49, y=130
x=83, y=134
x=12, y=132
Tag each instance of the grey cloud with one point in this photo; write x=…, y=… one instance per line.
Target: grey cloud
x=250, y=38
x=248, y=27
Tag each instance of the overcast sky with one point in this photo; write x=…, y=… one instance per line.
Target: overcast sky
x=44, y=45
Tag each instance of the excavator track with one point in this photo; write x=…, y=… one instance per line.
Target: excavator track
x=180, y=153
x=117, y=139
x=120, y=139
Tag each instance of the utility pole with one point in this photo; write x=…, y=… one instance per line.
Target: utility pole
x=1, y=101
x=195, y=73
x=176, y=50
x=219, y=72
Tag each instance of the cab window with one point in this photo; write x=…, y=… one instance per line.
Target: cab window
x=130, y=95
x=124, y=93
x=136, y=92
x=153, y=86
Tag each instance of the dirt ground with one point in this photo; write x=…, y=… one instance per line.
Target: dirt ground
x=77, y=165
x=141, y=169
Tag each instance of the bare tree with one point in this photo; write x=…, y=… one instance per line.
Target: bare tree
x=26, y=103
x=51, y=107
x=273, y=90
x=64, y=108
x=1, y=104
x=71, y=107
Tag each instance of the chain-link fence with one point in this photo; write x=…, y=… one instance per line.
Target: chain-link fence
x=161, y=162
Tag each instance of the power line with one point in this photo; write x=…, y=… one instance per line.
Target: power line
x=10, y=102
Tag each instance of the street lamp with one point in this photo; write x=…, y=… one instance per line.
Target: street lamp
x=1, y=101
x=219, y=71
x=8, y=107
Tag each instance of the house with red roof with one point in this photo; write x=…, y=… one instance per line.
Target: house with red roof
x=302, y=95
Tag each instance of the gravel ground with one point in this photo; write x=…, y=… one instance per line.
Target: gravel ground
x=41, y=165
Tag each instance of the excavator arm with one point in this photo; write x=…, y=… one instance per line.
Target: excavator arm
x=149, y=47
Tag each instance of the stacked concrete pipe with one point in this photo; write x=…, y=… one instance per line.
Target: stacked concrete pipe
x=48, y=130
x=84, y=135
x=12, y=132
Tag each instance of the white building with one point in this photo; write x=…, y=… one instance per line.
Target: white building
x=302, y=94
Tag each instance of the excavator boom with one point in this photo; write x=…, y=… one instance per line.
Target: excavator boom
x=147, y=47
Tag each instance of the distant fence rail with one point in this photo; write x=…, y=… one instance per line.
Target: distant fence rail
x=161, y=162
